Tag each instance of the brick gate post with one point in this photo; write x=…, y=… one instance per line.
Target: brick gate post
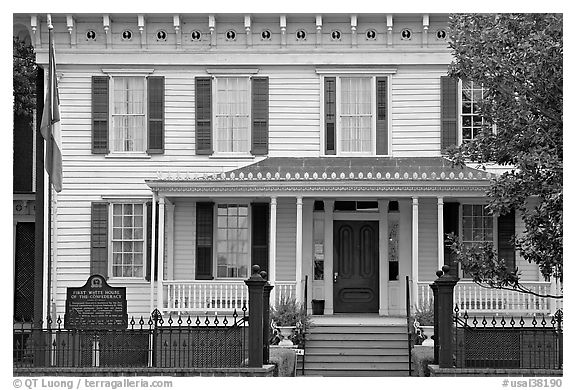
x=443, y=289
x=255, y=320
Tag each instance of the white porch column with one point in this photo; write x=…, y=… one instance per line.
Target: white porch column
x=272, y=249
x=299, y=292
x=170, y=239
x=383, y=262
x=328, y=256
x=415, y=251
x=160, y=294
x=440, y=232
x=152, y=271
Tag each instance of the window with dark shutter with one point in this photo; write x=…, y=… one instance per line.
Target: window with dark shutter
x=100, y=114
x=260, y=115
x=155, y=115
x=381, y=115
x=203, y=115
x=506, y=232
x=448, y=112
x=451, y=225
x=204, y=239
x=149, y=257
x=330, y=114
x=99, y=239
x=260, y=234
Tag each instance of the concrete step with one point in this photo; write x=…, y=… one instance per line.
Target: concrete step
x=357, y=336
x=354, y=351
x=332, y=359
x=353, y=373
x=337, y=329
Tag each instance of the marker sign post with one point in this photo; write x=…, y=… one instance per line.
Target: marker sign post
x=96, y=305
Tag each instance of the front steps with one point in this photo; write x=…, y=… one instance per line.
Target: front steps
x=356, y=346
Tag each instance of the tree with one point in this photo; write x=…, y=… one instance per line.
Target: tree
x=518, y=59
x=24, y=78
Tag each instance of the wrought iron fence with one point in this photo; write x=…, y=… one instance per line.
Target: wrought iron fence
x=508, y=342
x=167, y=342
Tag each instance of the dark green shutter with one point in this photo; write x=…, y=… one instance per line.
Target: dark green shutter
x=506, y=232
x=381, y=115
x=260, y=234
x=260, y=114
x=451, y=225
x=203, y=115
x=100, y=114
x=330, y=114
x=204, y=239
x=155, y=115
x=149, y=257
x=448, y=111
x=99, y=239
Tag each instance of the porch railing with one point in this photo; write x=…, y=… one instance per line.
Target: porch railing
x=475, y=299
x=215, y=296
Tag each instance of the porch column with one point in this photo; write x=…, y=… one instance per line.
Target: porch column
x=170, y=239
x=272, y=249
x=383, y=249
x=440, y=232
x=152, y=271
x=415, y=251
x=160, y=294
x=299, y=292
x=328, y=256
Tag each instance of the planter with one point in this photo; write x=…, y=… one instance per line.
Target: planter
x=318, y=306
x=286, y=333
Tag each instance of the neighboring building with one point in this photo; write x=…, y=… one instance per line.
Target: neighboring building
x=310, y=145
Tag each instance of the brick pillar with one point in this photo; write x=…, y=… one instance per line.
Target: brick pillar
x=443, y=289
x=255, y=323
x=266, y=317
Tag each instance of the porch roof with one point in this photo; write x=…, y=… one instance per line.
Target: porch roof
x=330, y=174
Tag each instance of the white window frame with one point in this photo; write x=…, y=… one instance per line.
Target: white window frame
x=237, y=202
x=115, y=74
x=372, y=72
x=111, y=240
x=215, y=139
x=461, y=230
x=460, y=135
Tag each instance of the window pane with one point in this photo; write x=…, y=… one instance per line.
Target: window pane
x=356, y=114
x=128, y=239
x=128, y=115
x=232, y=241
x=232, y=114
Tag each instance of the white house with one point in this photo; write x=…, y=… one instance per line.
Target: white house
x=196, y=145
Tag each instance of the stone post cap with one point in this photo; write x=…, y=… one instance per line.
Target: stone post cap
x=255, y=279
x=444, y=276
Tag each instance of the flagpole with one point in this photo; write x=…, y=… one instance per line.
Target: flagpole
x=48, y=145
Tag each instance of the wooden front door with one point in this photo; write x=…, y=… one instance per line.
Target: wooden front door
x=356, y=267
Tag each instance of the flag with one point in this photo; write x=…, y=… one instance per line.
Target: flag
x=50, y=125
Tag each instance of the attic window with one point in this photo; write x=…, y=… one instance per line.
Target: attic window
x=91, y=35
x=230, y=35
x=371, y=35
x=266, y=35
x=161, y=35
x=196, y=35
x=406, y=34
x=300, y=35
x=336, y=35
x=126, y=35
x=441, y=34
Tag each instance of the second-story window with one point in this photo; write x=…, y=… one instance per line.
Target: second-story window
x=356, y=115
x=128, y=115
x=471, y=122
x=232, y=103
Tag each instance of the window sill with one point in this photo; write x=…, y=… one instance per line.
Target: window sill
x=232, y=156
x=128, y=156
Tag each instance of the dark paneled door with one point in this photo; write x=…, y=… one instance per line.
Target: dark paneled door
x=356, y=267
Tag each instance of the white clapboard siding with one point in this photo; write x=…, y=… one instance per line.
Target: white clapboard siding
x=416, y=111
x=184, y=240
x=427, y=238
x=286, y=240
x=528, y=271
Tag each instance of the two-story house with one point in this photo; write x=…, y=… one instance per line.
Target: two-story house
x=196, y=145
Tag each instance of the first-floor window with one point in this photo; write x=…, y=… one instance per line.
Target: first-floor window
x=232, y=241
x=128, y=239
x=128, y=114
x=477, y=225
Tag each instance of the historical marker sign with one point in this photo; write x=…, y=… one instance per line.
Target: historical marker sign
x=96, y=305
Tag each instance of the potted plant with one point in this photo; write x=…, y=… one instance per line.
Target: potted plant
x=289, y=322
x=423, y=323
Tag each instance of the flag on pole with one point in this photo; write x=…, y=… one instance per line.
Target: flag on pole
x=50, y=126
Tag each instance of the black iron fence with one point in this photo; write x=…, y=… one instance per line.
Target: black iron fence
x=508, y=342
x=167, y=342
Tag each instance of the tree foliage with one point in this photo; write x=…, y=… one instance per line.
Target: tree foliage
x=518, y=58
x=24, y=78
